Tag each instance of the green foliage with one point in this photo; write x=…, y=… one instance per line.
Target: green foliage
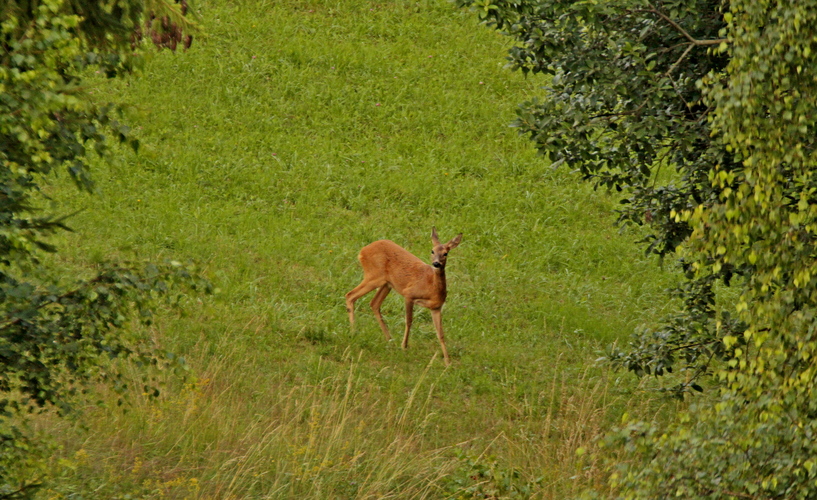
x=58, y=335
x=55, y=337
x=624, y=108
x=273, y=171
x=736, y=121
x=757, y=439
x=483, y=477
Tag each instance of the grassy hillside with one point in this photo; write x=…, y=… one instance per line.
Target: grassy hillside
x=289, y=137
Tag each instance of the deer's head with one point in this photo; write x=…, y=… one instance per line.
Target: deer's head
x=439, y=252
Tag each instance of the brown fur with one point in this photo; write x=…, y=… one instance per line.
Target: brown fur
x=387, y=265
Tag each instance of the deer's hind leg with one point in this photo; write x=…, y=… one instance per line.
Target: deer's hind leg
x=377, y=301
x=357, y=292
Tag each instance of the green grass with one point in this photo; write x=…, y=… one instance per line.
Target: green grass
x=289, y=137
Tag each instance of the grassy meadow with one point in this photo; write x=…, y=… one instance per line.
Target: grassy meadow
x=291, y=135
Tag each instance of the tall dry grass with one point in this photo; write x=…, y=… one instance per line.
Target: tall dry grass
x=334, y=438
x=280, y=144
x=232, y=435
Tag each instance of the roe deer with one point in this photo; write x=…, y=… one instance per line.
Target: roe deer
x=387, y=265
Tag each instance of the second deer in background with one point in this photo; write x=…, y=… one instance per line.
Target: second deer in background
x=387, y=265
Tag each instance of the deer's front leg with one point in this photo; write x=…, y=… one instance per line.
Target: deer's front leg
x=409, y=318
x=436, y=316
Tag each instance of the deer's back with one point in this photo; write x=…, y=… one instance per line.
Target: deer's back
x=394, y=263
x=385, y=261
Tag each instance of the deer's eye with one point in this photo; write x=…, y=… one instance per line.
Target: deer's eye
x=446, y=253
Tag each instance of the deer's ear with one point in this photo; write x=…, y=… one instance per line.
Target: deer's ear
x=434, y=238
x=455, y=242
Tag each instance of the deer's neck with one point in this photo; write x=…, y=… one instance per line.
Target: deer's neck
x=439, y=279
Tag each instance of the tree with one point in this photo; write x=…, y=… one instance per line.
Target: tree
x=57, y=334
x=624, y=107
x=725, y=95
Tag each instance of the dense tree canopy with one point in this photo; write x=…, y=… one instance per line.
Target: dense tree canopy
x=58, y=333
x=625, y=107
x=703, y=114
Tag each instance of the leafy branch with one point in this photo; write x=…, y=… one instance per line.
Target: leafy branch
x=56, y=340
x=692, y=40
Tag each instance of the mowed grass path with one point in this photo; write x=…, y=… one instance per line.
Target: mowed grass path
x=289, y=137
